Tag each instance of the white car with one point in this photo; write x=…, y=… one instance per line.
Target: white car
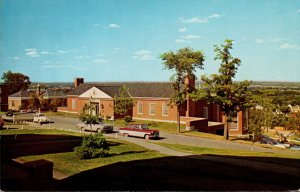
x=98, y=127
x=40, y=118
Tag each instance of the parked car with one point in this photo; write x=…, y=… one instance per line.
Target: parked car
x=139, y=130
x=267, y=140
x=1, y=123
x=97, y=127
x=9, y=113
x=40, y=118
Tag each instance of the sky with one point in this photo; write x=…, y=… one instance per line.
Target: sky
x=122, y=40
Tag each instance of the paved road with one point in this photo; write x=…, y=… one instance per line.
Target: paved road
x=70, y=124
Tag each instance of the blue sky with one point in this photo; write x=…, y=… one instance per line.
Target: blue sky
x=107, y=40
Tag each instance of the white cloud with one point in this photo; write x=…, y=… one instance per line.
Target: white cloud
x=259, y=40
x=53, y=66
x=143, y=55
x=215, y=15
x=289, y=46
x=32, y=52
x=193, y=20
x=46, y=52
x=62, y=51
x=82, y=57
x=16, y=58
x=298, y=10
x=101, y=61
x=190, y=37
x=187, y=38
x=181, y=30
x=113, y=25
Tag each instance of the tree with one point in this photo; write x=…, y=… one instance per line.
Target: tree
x=185, y=62
x=16, y=81
x=87, y=117
x=34, y=101
x=123, y=103
x=220, y=89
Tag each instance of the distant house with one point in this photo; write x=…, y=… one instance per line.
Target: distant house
x=294, y=109
x=4, y=92
x=152, y=103
x=21, y=99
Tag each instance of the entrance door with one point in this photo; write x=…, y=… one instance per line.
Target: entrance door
x=95, y=109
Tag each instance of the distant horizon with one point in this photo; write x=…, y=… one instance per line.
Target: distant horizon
x=101, y=40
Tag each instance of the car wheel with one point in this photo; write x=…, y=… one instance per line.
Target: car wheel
x=126, y=135
x=147, y=137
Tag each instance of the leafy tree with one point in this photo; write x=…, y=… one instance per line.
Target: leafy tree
x=87, y=117
x=123, y=103
x=294, y=122
x=184, y=62
x=34, y=101
x=231, y=96
x=92, y=146
x=16, y=81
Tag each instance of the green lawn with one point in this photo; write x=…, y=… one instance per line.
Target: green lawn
x=227, y=152
x=68, y=164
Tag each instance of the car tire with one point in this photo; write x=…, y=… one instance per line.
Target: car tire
x=126, y=135
x=147, y=137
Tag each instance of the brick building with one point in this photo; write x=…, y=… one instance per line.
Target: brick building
x=152, y=103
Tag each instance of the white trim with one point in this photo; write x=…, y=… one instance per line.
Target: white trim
x=138, y=108
x=153, y=114
x=162, y=110
x=73, y=103
x=158, y=120
x=153, y=98
x=94, y=93
x=67, y=111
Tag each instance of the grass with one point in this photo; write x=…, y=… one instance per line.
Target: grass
x=233, y=153
x=61, y=114
x=68, y=164
x=37, y=131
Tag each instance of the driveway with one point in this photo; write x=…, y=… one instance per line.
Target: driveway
x=70, y=124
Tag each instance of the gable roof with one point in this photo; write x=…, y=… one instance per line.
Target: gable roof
x=135, y=89
x=46, y=93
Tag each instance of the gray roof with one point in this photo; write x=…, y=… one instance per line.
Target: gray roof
x=135, y=89
x=46, y=93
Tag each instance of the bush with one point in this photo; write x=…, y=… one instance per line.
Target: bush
x=127, y=119
x=92, y=146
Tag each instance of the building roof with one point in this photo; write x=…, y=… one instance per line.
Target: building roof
x=46, y=93
x=135, y=89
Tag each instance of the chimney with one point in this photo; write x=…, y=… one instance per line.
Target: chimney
x=189, y=81
x=78, y=81
x=38, y=90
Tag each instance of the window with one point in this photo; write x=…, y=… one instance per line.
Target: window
x=140, y=108
x=0, y=90
x=73, y=104
x=152, y=109
x=165, y=109
x=234, y=124
x=12, y=103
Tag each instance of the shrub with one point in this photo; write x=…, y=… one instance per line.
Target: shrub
x=92, y=146
x=127, y=119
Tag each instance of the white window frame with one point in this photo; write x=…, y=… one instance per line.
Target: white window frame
x=151, y=108
x=237, y=124
x=73, y=103
x=164, y=109
x=140, y=108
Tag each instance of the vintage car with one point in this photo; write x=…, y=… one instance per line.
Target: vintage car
x=98, y=127
x=40, y=118
x=139, y=130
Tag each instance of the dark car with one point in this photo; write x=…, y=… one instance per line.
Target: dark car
x=10, y=113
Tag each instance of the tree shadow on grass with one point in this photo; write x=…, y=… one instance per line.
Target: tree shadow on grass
x=179, y=173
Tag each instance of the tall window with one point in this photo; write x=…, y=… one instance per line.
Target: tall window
x=165, y=109
x=152, y=109
x=140, y=108
x=245, y=120
x=234, y=124
x=73, y=103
